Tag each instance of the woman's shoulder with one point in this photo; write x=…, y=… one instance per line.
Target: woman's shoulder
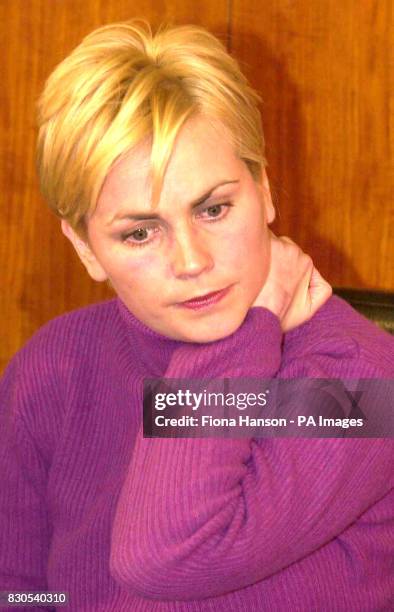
x=53, y=364
x=91, y=316
x=341, y=335
x=66, y=335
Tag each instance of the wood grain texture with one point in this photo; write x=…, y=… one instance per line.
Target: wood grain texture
x=42, y=276
x=325, y=71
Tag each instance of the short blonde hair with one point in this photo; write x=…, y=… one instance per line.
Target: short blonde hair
x=123, y=84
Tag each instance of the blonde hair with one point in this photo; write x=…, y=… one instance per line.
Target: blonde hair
x=123, y=84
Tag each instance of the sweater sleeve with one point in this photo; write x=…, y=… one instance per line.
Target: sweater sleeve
x=24, y=537
x=200, y=518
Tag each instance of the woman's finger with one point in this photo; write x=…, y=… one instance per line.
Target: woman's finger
x=319, y=290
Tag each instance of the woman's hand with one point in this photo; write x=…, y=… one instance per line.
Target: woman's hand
x=294, y=289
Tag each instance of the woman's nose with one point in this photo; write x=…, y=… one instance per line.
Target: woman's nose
x=191, y=254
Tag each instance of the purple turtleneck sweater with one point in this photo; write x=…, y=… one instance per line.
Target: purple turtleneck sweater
x=125, y=523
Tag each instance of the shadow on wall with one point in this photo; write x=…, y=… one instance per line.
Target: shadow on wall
x=292, y=164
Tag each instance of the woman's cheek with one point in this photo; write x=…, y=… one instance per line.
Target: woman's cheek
x=244, y=247
x=146, y=269
x=127, y=268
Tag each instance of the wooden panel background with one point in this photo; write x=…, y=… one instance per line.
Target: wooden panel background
x=324, y=70
x=326, y=73
x=41, y=274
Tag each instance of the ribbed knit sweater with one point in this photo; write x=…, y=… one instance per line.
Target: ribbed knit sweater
x=125, y=523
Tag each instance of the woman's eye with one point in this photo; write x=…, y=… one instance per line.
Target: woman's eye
x=216, y=211
x=140, y=236
x=145, y=235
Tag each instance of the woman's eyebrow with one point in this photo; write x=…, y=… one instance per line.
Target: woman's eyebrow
x=147, y=216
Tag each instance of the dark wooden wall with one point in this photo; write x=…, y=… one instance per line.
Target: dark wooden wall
x=323, y=69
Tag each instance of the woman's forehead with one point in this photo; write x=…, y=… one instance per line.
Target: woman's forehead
x=201, y=157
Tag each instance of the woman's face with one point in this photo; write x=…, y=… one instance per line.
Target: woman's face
x=156, y=260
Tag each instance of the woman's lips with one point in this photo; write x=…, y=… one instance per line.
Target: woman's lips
x=206, y=300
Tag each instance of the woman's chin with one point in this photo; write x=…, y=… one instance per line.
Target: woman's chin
x=210, y=331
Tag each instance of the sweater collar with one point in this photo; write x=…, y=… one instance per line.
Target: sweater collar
x=151, y=349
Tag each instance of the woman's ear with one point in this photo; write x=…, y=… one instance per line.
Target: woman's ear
x=267, y=198
x=85, y=254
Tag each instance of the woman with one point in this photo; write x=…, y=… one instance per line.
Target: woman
x=151, y=153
